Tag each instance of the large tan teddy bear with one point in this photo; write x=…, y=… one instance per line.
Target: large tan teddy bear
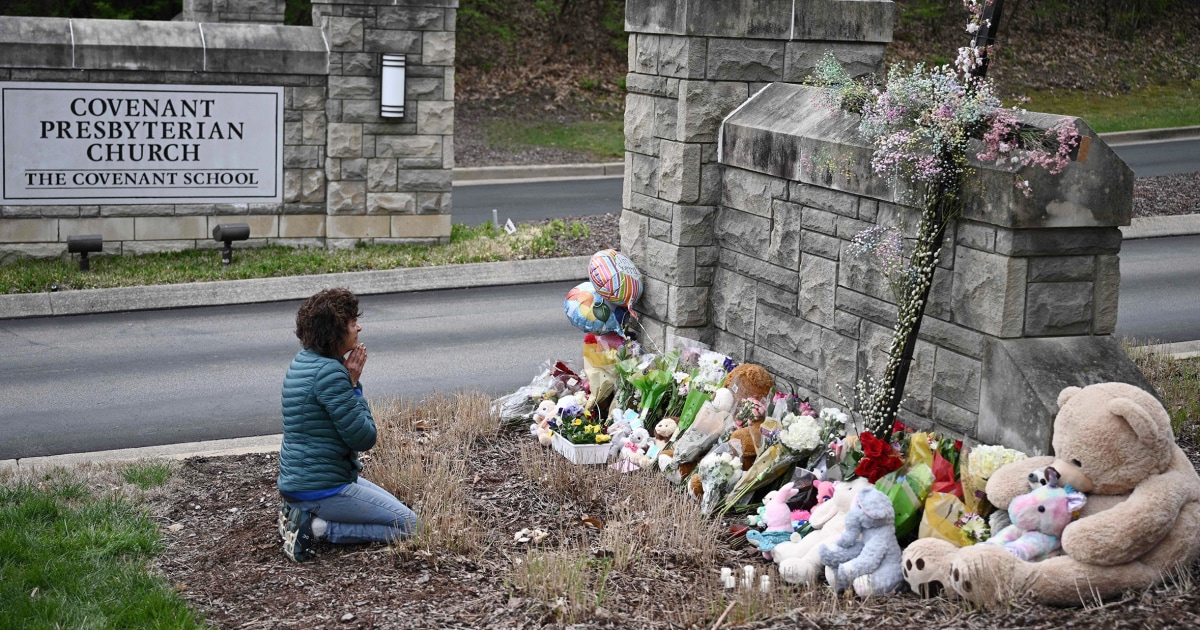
x=1142, y=517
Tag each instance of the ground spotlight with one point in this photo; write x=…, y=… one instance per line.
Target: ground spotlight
x=228, y=233
x=83, y=245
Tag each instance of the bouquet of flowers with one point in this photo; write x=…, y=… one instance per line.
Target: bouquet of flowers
x=878, y=458
x=653, y=379
x=579, y=426
x=717, y=471
x=982, y=461
x=974, y=527
x=789, y=442
x=628, y=357
x=599, y=366
x=704, y=380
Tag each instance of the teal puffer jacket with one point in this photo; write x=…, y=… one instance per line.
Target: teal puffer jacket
x=324, y=423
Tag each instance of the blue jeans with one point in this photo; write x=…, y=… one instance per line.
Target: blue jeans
x=362, y=512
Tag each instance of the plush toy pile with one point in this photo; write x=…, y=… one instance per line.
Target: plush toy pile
x=1118, y=508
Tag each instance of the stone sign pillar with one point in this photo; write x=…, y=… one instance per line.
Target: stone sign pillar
x=690, y=65
x=388, y=179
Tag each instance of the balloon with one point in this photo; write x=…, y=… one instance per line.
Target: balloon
x=615, y=277
x=590, y=313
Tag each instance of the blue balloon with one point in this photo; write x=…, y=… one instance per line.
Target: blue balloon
x=589, y=312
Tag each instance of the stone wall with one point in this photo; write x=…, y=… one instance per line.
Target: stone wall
x=743, y=230
x=349, y=175
x=390, y=177
x=690, y=65
x=242, y=11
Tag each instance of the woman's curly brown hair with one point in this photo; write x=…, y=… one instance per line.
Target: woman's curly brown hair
x=323, y=321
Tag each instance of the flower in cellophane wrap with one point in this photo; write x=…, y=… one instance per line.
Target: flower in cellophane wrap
x=907, y=488
x=654, y=378
x=706, y=375
x=600, y=366
x=982, y=462
x=710, y=424
x=794, y=440
x=716, y=471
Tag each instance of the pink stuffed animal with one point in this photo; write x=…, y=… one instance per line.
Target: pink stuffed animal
x=779, y=521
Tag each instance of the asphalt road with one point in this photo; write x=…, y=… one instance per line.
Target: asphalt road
x=524, y=201
x=1167, y=157
x=1160, y=289
x=98, y=382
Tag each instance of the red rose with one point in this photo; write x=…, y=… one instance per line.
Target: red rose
x=898, y=427
x=873, y=446
x=875, y=468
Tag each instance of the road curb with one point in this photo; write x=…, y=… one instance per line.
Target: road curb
x=1115, y=138
x=1157, y=227
x=193, y=294
x=210, y=448
x=494, y=174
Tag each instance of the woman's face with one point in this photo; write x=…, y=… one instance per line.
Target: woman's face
x=351, y=336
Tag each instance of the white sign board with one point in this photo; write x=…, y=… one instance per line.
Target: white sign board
x=92, y=143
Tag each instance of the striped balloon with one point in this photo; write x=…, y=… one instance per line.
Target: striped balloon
x=615, y=277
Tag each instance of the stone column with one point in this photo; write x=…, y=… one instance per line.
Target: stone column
x=253, y=11
x=388, y=179
x=690, y=65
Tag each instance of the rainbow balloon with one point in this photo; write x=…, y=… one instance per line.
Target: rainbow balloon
x=615, y=277
x=590, y=313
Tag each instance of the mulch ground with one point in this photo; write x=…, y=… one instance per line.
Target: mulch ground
x=224, y=556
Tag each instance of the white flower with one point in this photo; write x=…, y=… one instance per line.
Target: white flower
x=1004, y=147
x=833, y=414
x=800, y=433
x=972, y=28
x=984, y=460
x=717, y=467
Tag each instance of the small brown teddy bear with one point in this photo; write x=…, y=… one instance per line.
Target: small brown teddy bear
x=1112, y=441
x=746, y=440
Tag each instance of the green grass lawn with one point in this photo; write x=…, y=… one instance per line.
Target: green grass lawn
x=467, y=245
x=603, y=140
x=1176, y=105
x=73, y=558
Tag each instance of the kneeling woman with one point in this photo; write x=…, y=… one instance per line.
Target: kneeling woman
x=326, y=421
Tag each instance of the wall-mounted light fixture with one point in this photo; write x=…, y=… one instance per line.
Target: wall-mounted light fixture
x=391, y=101
x=228, y=233
x=83, y=245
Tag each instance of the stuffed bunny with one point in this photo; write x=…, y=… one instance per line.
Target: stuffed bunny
x=779, y=521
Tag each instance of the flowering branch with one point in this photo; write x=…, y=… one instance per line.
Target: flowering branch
x=920, y=125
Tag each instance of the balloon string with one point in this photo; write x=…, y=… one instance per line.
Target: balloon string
x=643, y=338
